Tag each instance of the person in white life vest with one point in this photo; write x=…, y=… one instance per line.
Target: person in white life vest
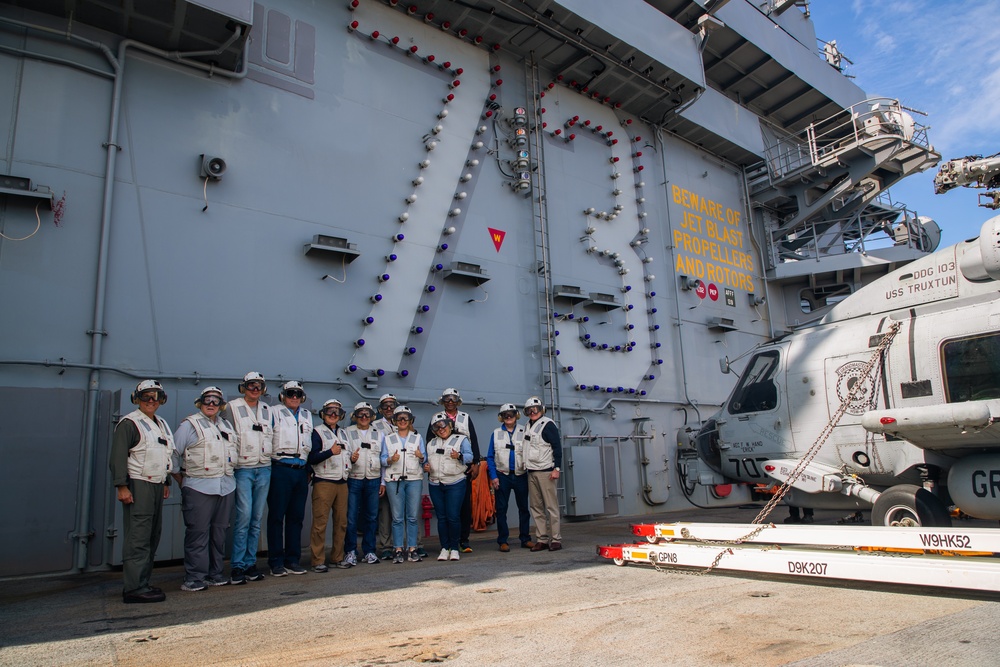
x=448, y=456
x=286, y=498
x=141, y=460
x=403, y=456
x=505, y=465
x=364, y=485
x=251, y=419
x=384, y=425
x=542, y=459
x=450, y=400
x=206, y=446
x=331, y=465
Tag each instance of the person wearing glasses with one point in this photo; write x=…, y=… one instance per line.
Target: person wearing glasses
x=384, y=425
x=403, y=455
x=505, y=465
x=364, y=485
x=542, y=458
x=462, y=424
x=251, y=419
x=448, y=455
x=206, y=448
x=330, y=464
x=141, y=461
x=286, y=498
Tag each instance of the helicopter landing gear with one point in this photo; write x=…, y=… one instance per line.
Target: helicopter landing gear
x=909, y=505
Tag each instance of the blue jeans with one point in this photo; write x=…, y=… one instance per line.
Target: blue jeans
x=251, y=499
x=404, y=501
x=447, y=499
x=519, y=485
x=286, y=508
x=362, y=507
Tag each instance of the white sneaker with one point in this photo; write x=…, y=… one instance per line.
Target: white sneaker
x=371, y=559
x=454, y=554
x=443, y=555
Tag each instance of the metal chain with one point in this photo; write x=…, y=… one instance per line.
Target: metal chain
x=867, y=373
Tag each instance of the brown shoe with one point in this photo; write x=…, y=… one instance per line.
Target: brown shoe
x=540, y=546
x=555, y=546
x=528, y=545
x=504, y=548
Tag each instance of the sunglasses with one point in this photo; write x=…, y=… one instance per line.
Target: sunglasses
x=254, y=386
x=211, y=401
x=508, y=415
x=146, y=397
x=295, y=393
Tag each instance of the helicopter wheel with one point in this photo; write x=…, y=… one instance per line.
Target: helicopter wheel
x=909, y=505
x=620, y=562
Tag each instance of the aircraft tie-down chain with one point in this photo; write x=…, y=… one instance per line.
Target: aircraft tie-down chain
x=867, y=373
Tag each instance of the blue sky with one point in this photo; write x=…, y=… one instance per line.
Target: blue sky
x=938, y=56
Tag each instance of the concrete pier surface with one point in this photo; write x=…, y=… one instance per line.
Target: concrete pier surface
x=519, y=608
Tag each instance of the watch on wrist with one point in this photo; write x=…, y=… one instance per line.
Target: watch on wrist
x=557, y=469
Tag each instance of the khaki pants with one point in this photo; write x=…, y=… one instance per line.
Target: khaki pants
x=328, y=498
x=543, y=500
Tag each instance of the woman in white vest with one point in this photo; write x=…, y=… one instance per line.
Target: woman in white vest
x=206, y=448
x=505, y=465
x=364, y=485
x=387, y=403
x=448, y=455
x=331, y=465
x=141, y=461
x=542, y=458
x=403, y=456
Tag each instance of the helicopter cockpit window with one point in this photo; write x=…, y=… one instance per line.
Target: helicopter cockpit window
x=972, y=368
x=756, y=391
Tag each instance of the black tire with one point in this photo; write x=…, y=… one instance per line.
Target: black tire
x=909, y=505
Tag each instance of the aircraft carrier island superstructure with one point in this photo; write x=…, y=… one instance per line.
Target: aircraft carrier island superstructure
x=593, y=202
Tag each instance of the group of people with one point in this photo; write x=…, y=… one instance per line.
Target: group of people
x=368, y=477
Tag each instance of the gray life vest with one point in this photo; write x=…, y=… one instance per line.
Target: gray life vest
x=211, y=455
x=445, y=469
x=369, y=463
x=408, y=463
x=537, y=453
x=503, y=443
x=292, y=437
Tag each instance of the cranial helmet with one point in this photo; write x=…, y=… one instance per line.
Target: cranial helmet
x=148, y=385
x=289, y=386
x=251, y=377
x=450, y=391
x=508, y=407
x=210, y=390
x=363, y=406
x=534, y=402
x=402, y=410
x=442, y=417
x=387, y=397
x=333, y=403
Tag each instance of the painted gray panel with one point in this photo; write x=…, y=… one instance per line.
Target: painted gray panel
x=647, y=29
x=583, y=477
x=40, y=446
x=241, y=10
x=719, y=114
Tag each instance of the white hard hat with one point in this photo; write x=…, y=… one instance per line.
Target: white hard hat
x=363, y=406
x=291, y=385
x=534, y=402
x=402, y=410
x=387, y=397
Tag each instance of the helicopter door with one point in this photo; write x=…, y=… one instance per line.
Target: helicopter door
x=749, y=436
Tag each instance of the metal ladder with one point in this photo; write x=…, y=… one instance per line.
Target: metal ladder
x=539, y=214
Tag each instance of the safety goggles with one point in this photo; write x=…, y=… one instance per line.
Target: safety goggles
x=403, y=418
x=212, y=401
x=331, y=412
x=254, y=386
x=295, y=393
x=363, y=415
x=440, y=426
x=388, y=406
x=532, y=410
x=148, y=396
x=508, y=415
